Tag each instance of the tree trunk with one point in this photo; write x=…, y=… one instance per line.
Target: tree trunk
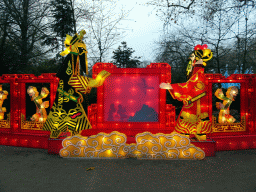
x=4, y=68
x=24, y=32
x=73, y=14
x=245, y=48
x=218, y=59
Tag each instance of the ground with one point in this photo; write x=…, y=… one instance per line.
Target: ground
x=34, y=170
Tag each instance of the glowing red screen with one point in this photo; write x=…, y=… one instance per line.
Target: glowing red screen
x=131, y=98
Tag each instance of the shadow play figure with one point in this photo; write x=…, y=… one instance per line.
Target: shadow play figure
x=67, y=112
x=224, y=116
x=191, y=119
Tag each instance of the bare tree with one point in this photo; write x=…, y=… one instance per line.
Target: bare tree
x=4, y=24
x=214, y=23
x=175, y=10
x=103, y=28
x=27, y=27
x=145, y=63
x=175, y=51
x=231, y=29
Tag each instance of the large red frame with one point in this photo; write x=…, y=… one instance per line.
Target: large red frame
x=167, y=112
x=247, y=99
x=15, y=135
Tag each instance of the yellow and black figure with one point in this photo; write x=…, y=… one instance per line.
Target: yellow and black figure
x=67, y=112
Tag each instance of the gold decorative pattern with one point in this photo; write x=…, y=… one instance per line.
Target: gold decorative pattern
x=69, y=69
x=198, y=97
x=194, y=78
x=31, y=125
x=183, y=126
x=101, y=145
x=79, y=83
x=188, y=106
x=60, y=120
x=200, y=85
x=228, y=127
x=148, y=146
x=191, y=118
x=84, y=84
x=73, y=146
x=5, y=123
x=178, y=95
x=165, y=146
x=186, y=85
x=60, y=98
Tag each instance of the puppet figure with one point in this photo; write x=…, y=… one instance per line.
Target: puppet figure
x=41, y=114
x=191, y=119
x=67, y=112
x=3, y=96
x=224, y=116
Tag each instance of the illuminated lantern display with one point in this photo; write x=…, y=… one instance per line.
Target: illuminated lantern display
x=131, y=102
x=3, y=96
x=131, y=117
x=224, y=116
x=148, y=146
x=192, y=94
x=67, y=112
x=41, y=114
